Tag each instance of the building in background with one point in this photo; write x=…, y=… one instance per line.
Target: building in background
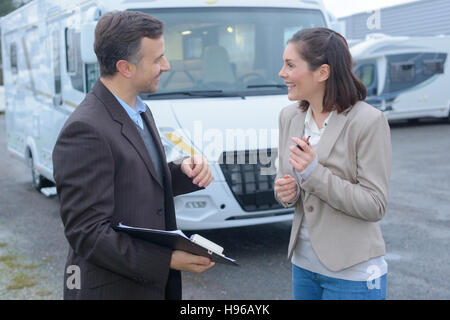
x=420, y=18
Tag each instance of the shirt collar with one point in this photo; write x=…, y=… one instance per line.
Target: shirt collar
x=310, y=123
x=134, y=114
x=139, y=106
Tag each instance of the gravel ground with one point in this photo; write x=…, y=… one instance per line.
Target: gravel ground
x=32, y=244
x=23, y=276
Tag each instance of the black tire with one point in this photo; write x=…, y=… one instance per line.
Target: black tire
x=37, y=180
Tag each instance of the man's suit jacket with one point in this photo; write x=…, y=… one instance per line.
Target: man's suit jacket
x=346, y=194
x=104, y=175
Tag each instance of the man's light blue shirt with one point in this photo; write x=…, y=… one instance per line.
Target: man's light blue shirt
x=135, y=114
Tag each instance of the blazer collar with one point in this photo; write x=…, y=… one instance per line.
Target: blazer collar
x=110, y=102
x=334, y=128
x=129, y=130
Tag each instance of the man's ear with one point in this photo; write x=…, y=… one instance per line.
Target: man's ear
x=323, y=73
x=125, y=68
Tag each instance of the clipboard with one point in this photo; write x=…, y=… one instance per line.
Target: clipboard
x=176, y=240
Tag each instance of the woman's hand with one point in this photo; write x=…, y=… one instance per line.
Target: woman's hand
x=286, y=189
x=299, y=159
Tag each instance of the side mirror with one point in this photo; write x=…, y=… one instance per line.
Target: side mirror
x=87, y=42
x=88, y=35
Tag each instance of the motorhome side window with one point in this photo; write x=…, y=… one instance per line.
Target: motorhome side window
x=431, y=67
x=402, y=71
x=409, y=70
x=92, y=74
x=56, y=63
x=74, y=66
x=13, y=58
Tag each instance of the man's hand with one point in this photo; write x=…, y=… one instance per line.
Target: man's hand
x=198, y=170
x=184, y=261
x=286, y=189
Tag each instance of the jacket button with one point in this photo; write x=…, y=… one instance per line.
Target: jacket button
x=159, y=212
x=313, y=190
x=310, y=209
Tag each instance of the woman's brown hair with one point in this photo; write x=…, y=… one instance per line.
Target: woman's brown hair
x=319, y=46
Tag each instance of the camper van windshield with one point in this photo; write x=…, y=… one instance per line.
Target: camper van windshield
x=367, y=73
x=227, y=51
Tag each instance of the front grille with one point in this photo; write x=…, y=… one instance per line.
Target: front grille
x=250, y=176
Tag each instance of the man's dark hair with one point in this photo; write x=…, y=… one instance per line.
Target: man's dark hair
x=118, y=37
x=319, y=46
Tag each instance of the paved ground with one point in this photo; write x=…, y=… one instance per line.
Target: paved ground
x=32, y=244
x=416, y=229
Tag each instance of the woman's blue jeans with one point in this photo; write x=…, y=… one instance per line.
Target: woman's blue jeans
x=307, y=285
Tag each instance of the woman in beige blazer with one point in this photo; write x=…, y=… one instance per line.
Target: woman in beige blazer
x=334, y=168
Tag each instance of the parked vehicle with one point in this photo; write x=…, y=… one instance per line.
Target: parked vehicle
x=221, y=98
x=407, y=78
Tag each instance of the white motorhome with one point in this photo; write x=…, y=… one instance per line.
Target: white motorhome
x=221, y=98
x=407, y=78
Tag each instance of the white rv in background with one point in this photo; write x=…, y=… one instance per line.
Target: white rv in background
x=407, y=78
x=225, y=58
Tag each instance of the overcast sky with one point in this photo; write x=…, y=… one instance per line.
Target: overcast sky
x=342, y=8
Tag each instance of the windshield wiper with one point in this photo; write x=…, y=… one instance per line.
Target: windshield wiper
x=281, y=86
x=198, y=93
x=202, y=93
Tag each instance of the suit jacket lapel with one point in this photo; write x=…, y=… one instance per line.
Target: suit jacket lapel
x=331, y=134
x=128, y=127
x=171, y=223
x=131, y=133
x=148, y=118
x=299, y=125
x=335, y=126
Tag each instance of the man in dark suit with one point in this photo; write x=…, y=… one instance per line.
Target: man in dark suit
x=109, y=166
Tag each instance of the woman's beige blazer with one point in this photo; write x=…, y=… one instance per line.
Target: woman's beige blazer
x=346, y=194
